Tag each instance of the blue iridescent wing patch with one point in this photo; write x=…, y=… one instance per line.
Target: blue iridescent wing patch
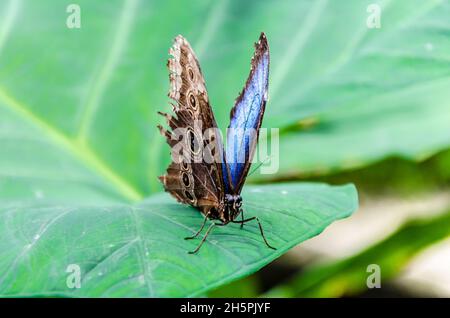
x=245, y=120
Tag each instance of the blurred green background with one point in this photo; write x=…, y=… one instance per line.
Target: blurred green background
x=353, y=104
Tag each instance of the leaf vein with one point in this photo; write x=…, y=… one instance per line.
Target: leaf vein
x=82, y=152
x=102, y=78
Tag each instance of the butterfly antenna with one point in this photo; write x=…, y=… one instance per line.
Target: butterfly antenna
x=259, y=165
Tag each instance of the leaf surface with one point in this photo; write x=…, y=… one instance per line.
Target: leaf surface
x=137, y=250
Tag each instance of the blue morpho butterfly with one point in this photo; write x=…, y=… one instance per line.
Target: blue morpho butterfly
x=202, y=173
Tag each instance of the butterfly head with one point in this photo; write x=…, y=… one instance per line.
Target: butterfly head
x=233, y=206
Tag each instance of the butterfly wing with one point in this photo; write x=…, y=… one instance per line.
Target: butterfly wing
x=195, y=174
x=245, y=120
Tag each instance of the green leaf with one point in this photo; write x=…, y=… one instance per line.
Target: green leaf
x=365, y=94
x=138, y=250
x=348, y=277
x=80, y=152
x=409, y=124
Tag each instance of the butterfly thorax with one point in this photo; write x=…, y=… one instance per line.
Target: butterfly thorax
x=232, y=207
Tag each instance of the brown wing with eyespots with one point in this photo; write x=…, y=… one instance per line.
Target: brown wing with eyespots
x=194, y=176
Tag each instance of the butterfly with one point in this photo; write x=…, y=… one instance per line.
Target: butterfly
x=202, y=173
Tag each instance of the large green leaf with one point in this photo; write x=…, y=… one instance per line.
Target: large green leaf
x=138, y=250
x=407, y=124
x=93, y=92
x=367, y=94
x=80, y=152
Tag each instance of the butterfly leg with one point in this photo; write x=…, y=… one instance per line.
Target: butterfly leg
x=260, y=229
x=242, y=219
x=199, y=231
x=203, y=239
